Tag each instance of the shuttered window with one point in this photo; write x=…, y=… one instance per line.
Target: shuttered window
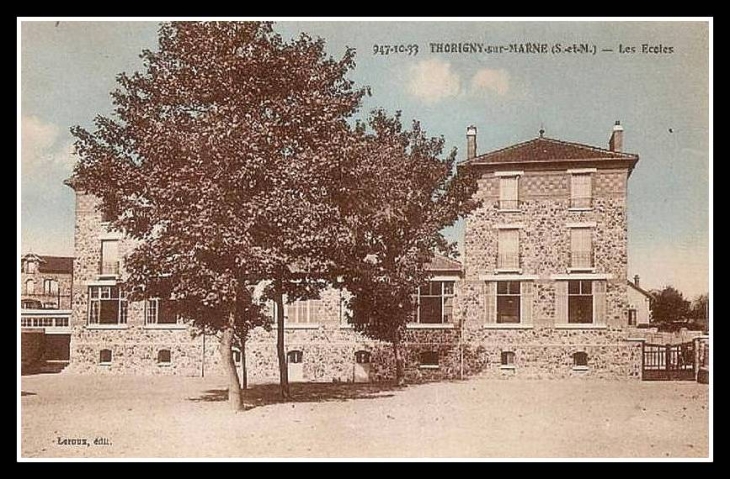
x=581, y=248
x=580, y=191
x=508, y=193
x=508, y=249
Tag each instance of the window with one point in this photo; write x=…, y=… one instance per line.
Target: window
x=580, y=190
x=435, y=302
x=236, y=355
x=362, y=357
x=50, y=287
x=303, y=312
x=508, y=249
x=508, y=193
x=159, y=311
x=632, y=317
x=294, y=357
x=580, y=302
x=580, y=360
x=31, y=267
x=508, y=358
x=508, y=302
x=105, y=356
x=110, y=257
x=581, y=248
x=107, y=305
x=164, y=356
x=429, y=359
x=30, y=287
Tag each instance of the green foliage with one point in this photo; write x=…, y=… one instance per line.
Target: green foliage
x=402, y=194
x=669, y=305
x=220, y=159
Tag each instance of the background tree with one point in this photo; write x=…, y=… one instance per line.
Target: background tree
x=402, y=195
x=669, y=305
x=217, y=160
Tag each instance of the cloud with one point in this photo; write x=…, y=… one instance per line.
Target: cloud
x=433, y=80
x=487, y=80
x=42, y=147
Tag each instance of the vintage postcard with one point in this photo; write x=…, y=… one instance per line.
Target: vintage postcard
x=339, y=239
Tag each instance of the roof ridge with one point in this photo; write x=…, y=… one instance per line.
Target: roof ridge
x=608, y=154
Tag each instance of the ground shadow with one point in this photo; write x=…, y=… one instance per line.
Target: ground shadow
x=265, y=394
x=26, y=393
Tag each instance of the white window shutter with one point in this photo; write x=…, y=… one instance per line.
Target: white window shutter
x=561, y=302
x=526, y=302
x=491, y=299
x=599, y=302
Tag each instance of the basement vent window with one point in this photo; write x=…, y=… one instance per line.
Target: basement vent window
x=429, y=360
x=580, y=361
x=362, y=357
x=508, y=360
x=105, y=357
x=164, y=357
x=294, y=357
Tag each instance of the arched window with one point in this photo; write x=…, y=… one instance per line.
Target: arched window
x=30, y=287
x=294, y=357
x=105, y=356
x=580, y=359
x=50, y=286
x=236, y=355
x=164, y=356
x=362, y=357
x=508, y=358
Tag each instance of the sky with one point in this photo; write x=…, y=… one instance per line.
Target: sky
x=659, y=92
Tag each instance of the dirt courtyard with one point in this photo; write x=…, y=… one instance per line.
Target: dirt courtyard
x=142, y=417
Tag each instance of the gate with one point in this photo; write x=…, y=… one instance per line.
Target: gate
x=669, y=362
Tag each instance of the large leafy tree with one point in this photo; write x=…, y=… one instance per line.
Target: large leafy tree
x=404, y=193
x=220, y=159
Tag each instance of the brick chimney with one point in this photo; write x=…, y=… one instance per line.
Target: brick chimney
x=616, y=143
x=471, y=142
x=636, y=280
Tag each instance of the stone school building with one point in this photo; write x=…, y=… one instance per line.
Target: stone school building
x=541, y=292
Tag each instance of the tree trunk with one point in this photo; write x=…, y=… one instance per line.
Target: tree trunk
x=399, y=360
x=229, y=366
x=244, y=371
x=280, y=350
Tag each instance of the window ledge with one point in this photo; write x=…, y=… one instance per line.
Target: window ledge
x=580, y=326
x=177, y=327
x=428, y=366
x=575, y=208
x=164, y=365
x=580, y=368
x=582, y=270
x=105, y=365
x=106, y=326
x=430, y=326
x=508, y=270
x=510, y=210
x=347, y=326
x=508, y=367
x=507, y=326
x=297, y=326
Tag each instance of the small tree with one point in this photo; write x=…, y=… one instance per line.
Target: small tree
x=218, y=160
x=401, y=197
x=669, y=305
x=700, y=309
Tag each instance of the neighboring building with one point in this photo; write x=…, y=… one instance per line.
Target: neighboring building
x=639, y=304
x=46, y=281
x=542, y=292
x=46, y=284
